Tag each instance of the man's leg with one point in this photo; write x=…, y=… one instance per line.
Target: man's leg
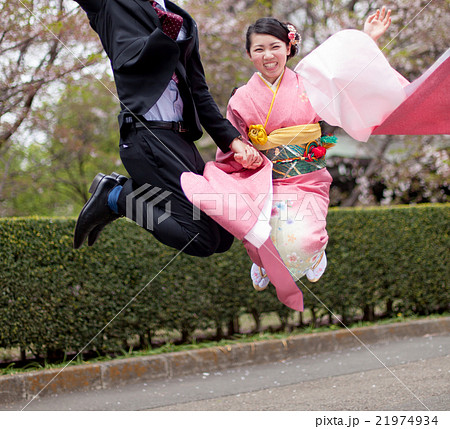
x=155, y=160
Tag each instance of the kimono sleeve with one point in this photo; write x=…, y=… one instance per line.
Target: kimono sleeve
x=236, y=120
x=350, y=83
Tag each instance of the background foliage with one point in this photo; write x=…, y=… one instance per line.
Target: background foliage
x=58, y=105
x=128, y=287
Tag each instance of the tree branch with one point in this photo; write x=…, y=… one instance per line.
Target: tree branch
x=369, y=172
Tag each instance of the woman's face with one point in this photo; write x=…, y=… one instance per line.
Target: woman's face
x=269, y=55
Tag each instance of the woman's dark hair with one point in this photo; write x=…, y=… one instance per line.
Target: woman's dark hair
x=272, y=27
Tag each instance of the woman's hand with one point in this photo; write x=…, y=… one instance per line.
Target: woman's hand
x=377, y=23
x=246, y=154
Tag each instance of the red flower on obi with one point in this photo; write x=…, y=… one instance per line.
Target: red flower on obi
x=319, y=152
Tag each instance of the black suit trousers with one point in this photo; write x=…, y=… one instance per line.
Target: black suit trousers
x=153, y=198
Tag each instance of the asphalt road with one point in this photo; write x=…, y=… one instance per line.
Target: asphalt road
x=408, y=375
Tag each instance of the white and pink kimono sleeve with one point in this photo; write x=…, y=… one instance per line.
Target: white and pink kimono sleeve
x=350, y=84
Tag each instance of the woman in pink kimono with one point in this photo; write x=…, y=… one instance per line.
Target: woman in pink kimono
x=279, y=210
x=273, y=110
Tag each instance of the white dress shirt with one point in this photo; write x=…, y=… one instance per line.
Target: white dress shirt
x=169, y=106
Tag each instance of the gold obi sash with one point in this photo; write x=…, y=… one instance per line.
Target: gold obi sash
x=296, y=135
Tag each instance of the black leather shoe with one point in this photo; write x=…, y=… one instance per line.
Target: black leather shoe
x=94, y=234
x=120, y=179
x=96, y=211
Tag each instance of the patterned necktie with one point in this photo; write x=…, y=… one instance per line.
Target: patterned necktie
x=171, y=22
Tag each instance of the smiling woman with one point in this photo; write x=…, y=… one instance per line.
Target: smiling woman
x=269, y=56
x=284, y=127
x=269, y=44
x=274, y=110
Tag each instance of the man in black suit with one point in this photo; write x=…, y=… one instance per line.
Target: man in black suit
x=154, y=52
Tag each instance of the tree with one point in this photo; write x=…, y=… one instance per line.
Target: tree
x=46, y=43
x=84, y=135
x=81, y=138
x=417, y=37
x=421, y=175
x=41, y=42
x=222, y=25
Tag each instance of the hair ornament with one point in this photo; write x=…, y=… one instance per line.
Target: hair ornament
x=293, y=35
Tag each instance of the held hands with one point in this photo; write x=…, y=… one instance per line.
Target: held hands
x=246, y=154
x=377, y=23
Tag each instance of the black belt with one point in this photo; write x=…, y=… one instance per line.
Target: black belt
x=164, y=125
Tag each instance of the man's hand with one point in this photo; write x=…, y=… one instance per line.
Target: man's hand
x=246, y=154
x=377, y=23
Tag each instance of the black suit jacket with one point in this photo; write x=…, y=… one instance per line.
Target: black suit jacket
x=144, y=59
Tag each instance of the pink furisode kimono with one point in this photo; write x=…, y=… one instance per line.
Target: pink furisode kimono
x=301, y=182
x=349, y=83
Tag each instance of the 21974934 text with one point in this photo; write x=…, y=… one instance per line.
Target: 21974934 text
x=415, y=420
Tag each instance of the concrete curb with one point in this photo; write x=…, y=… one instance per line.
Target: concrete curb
x=14, y=388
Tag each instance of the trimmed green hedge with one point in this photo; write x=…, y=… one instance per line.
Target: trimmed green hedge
x=54, y=298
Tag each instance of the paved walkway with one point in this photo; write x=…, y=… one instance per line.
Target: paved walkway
x=412, y=373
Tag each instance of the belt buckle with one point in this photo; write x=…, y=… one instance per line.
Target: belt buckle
x=180, y=127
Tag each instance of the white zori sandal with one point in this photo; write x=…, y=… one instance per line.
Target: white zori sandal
x=259, y=277
x=316, y=271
